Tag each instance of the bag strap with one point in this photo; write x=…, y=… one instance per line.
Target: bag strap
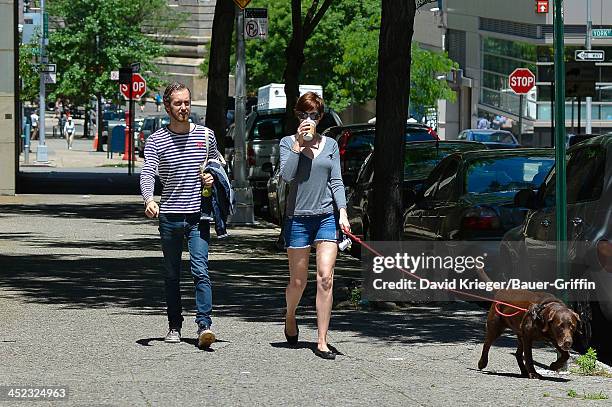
x=207, y=149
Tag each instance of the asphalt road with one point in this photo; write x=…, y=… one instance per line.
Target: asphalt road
x=81, y=305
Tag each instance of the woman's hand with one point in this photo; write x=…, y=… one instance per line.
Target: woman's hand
x=305, y=127
x=344, y=223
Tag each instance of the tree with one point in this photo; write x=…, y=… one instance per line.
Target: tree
x=94, y=38
x=426, y=88
x=294, y=54
x=28, y=71
x=219, y=68
x=393, y=90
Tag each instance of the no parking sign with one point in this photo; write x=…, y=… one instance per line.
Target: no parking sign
x=256, y=23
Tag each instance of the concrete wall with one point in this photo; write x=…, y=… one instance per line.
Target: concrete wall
x=7, y=99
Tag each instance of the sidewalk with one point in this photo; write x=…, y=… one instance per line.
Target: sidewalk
x=81, y=305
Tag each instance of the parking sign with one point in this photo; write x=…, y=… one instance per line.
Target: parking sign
x=256, y=23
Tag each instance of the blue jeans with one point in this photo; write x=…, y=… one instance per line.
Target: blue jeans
x=173, y=229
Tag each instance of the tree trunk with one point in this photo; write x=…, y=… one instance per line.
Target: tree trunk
x=295, y=61
x=219, y=69
x=393, y=91
x=99, y=122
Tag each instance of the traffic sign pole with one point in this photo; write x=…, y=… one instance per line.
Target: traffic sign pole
x=244, y=214
x=42, y=154
x=561, y=190
x=589, y=99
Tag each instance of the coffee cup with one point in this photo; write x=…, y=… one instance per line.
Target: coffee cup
x=309, y=135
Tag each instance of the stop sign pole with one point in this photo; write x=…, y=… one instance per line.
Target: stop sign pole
x=126, y=77
x=521, y=80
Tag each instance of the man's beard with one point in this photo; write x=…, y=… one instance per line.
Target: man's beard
x=180, y=118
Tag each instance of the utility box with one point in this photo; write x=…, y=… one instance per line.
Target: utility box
x=272, y=96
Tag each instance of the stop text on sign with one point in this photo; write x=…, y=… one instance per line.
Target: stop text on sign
x=521, y=81
x=139, y=87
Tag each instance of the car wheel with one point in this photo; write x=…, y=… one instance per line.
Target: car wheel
x=584, y=333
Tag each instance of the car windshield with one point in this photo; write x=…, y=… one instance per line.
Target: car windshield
x=497, y=137
x=502, y=174
x=420, y=160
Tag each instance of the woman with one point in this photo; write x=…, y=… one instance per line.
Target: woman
x=316, y=209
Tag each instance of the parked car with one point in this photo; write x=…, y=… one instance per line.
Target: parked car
x=470, y=195
x=421, y=157
x=530, y=249
x=492, y=138
x=356, y=142
x=264, y=129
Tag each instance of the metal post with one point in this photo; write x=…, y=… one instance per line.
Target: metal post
x=579, y=115
x=520, y=123
x=589, y=99
x=41, y=151
x=573, y=124
x=243, y=192
x=561, y=191
x=131, y=105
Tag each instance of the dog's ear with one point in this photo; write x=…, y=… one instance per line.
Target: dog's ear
x=548, y=315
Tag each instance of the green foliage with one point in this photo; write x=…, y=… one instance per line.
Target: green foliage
x=355, y=296
x=587, y=363
x=94, y=38
x=339, y=54
x=28, y=71
x=425, y=88
x=572, y=393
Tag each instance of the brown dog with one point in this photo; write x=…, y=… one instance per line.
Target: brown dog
x=547, y=319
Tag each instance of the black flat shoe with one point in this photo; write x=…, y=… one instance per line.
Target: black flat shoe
x=325, y=354
x=292, y=340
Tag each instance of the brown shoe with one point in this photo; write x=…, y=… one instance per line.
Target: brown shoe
x=206, y=337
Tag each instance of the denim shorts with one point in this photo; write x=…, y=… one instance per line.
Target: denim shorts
x=303, y=231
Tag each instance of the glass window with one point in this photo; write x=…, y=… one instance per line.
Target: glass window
x=447, y=182
x=269, y=128
x=585, y=174
x=487, y=175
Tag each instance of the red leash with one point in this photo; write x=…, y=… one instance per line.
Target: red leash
x=478, y=297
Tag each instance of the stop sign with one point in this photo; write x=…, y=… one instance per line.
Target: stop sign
x=139, y=87
x=521, y=80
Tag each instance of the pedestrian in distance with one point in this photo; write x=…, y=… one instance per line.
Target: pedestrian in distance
x=315, y=213
x=175, y=152
x=69, y=130
x=158, y=101
x=34, y=122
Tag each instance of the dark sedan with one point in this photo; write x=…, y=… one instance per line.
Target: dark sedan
x=492, y=138
x=529, y=251
x=356, y=142
x=470, y=195
x=420, y=158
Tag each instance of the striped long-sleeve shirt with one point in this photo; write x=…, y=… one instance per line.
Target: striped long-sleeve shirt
x=176, y=158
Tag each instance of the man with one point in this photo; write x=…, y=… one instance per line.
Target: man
x=34, y=121
x=69, y=130
x=176, y=152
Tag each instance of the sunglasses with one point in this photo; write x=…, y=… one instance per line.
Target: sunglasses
x=304, y=115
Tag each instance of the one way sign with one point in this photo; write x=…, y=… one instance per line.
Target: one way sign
x=589, y=55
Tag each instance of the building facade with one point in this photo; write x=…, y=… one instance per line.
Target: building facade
x=489, y=39
x=8, y=151
x=187, y=50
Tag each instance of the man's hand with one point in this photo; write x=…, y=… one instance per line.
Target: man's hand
x=152, y=210
x=207, y=179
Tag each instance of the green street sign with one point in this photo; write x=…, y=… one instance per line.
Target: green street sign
x=602, y=33
x=45, y=25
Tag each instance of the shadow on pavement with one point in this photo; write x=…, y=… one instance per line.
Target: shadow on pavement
x=80, y=182
x=248, y=274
